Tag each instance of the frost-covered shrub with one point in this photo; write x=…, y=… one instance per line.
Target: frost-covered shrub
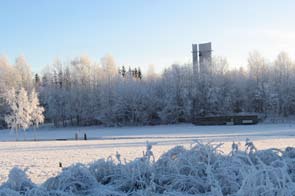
x=267, y=181
x=229, y=171
x=190, y=170
x=106, y=191
x=165, y=166
x=40, y=191
x=266, y=156
x=289, y=153
x=37, y=192
x=200, y=170
x=103, y=170
x=8, y=192
x=75, y=179
x=59, y=193
x=135, y=175
x=18, y=181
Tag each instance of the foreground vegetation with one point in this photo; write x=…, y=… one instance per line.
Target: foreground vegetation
x=200, y=170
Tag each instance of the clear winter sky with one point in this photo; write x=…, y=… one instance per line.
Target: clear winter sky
x=142, y=32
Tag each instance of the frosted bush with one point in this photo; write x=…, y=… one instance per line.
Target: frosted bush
x=229, y=174
x=76, y=179
x=268, y=156
x=40, y=191
x=18, y=181
x=106, y=191
x=37, y=192
x=188, y=170
x=201, y=170
x=103, y=170
x=289, y=153
x=59, y=193
x=135, y=175
x=8, y=192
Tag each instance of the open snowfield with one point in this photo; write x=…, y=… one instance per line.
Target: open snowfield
x=178, y=131
x=42, y=158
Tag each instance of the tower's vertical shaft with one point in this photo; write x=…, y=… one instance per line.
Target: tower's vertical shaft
x=205, y=54
x=195, y=55
x=195, y=60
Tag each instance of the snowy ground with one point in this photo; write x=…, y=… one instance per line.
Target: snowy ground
x=42, y=157
x=259, y=131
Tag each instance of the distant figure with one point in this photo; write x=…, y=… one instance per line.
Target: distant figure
x=60, y=164
x=85, y=136
x=76, y=136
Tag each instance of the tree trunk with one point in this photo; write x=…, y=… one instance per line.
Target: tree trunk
x=35, y=136
x=16, y=134
x=25, y=134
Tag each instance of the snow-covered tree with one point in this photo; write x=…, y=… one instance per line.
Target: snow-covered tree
x=9, y=78
x=283, y=84
x=258, y=76
x=20, y=110
x=24, y=71
x=12, y=119
x=37, y=110
x=176, y=106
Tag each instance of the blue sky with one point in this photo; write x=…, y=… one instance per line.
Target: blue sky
x=139, y=33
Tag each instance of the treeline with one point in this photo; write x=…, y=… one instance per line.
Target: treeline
x=82, y=92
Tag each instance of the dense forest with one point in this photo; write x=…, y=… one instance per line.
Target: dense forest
x=82, y=92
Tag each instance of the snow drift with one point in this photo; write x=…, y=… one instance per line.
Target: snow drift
x=200, y=170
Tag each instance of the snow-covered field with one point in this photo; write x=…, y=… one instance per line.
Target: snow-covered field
x=42, y=158
x=237, y=132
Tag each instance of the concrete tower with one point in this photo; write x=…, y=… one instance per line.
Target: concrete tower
x=202, y=57
x=195, y=59
x=205, y=56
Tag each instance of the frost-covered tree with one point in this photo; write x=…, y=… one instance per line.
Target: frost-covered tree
x=20, y=110
x=283, y=84
x=258, y=76
x=37, y=110
x=110, y=79
x=9, y=78
x=177, y=105
x=24, y=71
x=12, y=119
